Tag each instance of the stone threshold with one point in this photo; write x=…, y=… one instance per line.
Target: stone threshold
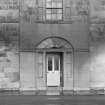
x=45, y=92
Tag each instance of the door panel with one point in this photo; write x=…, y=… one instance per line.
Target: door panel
x=53, y=69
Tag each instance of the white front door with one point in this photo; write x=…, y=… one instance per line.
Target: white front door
x=53, y=70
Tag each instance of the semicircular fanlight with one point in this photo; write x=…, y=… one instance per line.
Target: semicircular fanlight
x=54, y=42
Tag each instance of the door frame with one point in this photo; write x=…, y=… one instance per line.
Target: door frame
x=61, y=67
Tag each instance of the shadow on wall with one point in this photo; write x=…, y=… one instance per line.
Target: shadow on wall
x=9, y=67
x=92, y=67
x=97, y=68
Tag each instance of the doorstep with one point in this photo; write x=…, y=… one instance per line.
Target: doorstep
x=51, y=92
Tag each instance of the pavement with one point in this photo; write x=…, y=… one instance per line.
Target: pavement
x=52, y=100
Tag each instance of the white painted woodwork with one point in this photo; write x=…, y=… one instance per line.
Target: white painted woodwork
x=53, y=73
